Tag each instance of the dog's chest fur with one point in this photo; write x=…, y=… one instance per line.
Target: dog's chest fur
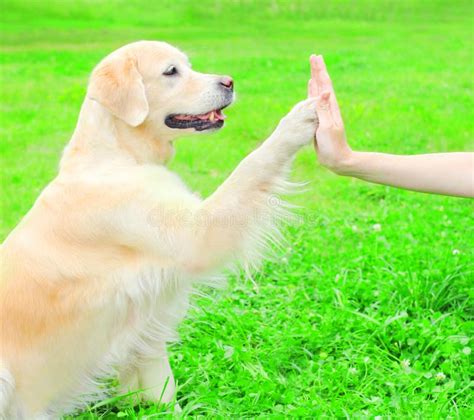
x=148, y=309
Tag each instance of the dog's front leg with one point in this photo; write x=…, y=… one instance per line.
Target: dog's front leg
x=234, y=223
x=242, y=213
x=156, y=378
x=151, y=376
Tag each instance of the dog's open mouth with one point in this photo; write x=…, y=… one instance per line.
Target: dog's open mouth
x=207, y=121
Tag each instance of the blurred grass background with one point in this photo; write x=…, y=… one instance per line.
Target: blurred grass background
x=375, y=279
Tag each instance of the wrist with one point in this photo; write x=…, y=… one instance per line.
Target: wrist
x=346, y=163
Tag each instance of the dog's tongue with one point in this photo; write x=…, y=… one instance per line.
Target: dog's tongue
x=205, y=116
x=219, y=115
x=210, y=116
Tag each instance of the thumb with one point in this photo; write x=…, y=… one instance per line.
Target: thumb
x=312, y=89
x=323, y=110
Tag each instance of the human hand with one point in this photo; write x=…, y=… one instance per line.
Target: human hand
x=330, y=143
x=438, y=173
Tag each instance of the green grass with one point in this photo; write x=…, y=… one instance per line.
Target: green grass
x=333, y=322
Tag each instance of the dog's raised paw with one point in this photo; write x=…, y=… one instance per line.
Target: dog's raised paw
x=300, y=124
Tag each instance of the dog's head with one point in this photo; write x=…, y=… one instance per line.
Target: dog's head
x=152, y=82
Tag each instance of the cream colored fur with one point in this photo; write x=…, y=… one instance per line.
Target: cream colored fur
x=97, y=275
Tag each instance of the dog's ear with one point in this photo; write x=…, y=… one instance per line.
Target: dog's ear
x=118, y=86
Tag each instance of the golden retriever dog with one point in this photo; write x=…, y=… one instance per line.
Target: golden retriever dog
x=97, y=275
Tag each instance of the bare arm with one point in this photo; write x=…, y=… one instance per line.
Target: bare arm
x=439, y=173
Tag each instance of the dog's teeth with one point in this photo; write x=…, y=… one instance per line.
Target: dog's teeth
x=212, y=117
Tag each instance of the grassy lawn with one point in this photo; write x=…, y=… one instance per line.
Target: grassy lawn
x=368, y=311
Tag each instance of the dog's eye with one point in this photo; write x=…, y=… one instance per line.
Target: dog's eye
x=171, y=71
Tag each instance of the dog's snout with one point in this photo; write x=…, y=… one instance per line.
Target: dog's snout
x=227, y=82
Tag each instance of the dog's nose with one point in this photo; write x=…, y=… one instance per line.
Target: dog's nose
x=227, y=82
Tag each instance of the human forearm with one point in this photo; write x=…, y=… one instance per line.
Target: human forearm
x=439, y=173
